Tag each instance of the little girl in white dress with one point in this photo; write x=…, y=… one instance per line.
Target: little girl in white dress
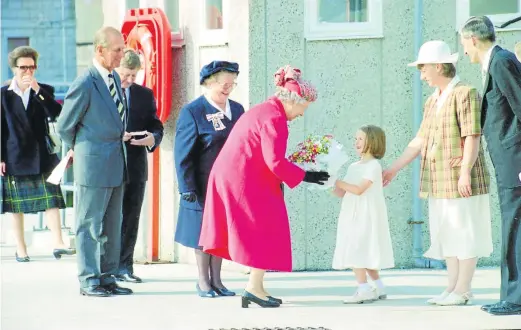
x=363, y=240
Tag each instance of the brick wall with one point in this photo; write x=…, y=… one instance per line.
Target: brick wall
x=42, y=22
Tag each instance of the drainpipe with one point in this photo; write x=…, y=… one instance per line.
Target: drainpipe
x=416, y=221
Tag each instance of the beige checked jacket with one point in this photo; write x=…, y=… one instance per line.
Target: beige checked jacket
x=443, y=132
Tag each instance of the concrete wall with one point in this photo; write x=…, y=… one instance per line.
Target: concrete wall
x=197, y=52
x=360, y=81
x=50, y=33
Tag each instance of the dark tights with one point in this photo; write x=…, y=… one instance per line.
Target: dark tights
x=209, y=270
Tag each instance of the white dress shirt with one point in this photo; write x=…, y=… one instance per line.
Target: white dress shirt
x=485, y=64
x=24, y=95
x=227, y=112
x=486, y=59
x=102, y=71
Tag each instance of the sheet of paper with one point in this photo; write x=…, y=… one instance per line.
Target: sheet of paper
x=57, y=174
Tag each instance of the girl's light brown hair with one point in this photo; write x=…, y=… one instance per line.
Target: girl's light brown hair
x=374, y=141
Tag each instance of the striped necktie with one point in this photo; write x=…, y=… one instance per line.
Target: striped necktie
x=115, y=97
x=125, y=101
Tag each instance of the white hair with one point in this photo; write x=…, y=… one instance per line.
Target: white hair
x=285, y=95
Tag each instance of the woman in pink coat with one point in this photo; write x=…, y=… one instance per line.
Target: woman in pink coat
x=245, y=217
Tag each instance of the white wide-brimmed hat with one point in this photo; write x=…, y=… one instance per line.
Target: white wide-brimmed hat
x=435, y=52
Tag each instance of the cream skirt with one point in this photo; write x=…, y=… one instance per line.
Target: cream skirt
x=460, y=227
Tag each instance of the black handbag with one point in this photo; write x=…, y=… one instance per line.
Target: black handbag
x=52, y=140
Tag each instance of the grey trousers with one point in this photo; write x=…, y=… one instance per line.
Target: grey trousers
x=98, y=233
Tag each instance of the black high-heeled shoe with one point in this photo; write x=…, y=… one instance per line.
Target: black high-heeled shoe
x=248, y=298
x=224, y=292
x=57, y=253
x=21, y=259
x=277, y=300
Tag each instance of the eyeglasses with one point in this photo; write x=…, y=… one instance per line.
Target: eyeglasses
x=227, y=86
x=27, y=67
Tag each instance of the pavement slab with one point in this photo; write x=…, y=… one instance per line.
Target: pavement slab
x=44, y=295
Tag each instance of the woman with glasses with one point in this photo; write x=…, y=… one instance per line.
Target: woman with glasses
x=202, y=128
x=27, y=153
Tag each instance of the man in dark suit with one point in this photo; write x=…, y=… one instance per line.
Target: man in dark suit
x=93, y=123
x=501, y=121
x=142, y=120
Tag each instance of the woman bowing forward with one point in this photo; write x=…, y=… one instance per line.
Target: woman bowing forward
x=245, y=218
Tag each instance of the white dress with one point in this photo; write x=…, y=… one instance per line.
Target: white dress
x=363, y=237
x=460, y=227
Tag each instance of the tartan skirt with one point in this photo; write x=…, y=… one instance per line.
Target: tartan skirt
x=30, y=194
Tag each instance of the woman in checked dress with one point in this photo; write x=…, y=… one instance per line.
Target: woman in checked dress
x=454, y=176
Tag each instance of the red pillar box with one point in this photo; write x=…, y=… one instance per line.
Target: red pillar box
x=147, y=31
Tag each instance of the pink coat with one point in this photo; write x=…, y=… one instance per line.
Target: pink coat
x=245, y=217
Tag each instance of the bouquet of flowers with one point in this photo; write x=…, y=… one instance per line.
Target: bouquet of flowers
x=320, y=153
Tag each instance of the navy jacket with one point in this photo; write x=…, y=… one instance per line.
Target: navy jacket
x=24, y=150
x=142, y=116
x=501, y=116
x=198, y=141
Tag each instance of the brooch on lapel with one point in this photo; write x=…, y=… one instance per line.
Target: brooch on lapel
x=216, y=119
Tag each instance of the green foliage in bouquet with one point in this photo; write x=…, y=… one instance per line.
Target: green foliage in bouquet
x=308, y=150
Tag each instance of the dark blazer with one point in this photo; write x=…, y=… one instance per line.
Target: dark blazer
x=142, y=117
x=197, y=144
x=501, y=116
x=24, y=150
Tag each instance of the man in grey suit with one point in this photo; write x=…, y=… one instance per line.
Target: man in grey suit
x=92, y=123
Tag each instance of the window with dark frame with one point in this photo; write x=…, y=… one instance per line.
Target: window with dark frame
x=342, y=11
x=12, y=43
x=487, y=7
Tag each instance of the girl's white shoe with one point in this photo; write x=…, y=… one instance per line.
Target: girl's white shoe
x=455, y=299
x=361, y=297
x=380, y=293
x=434, y=300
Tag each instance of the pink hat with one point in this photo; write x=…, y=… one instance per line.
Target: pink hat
x=290, y=79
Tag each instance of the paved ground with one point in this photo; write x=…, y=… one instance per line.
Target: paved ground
x=43, y=295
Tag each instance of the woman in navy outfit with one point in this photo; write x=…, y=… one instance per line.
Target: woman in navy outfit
x=27, y=154
x=201, y=131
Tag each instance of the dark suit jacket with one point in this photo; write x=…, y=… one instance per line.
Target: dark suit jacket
x=142, y=117
x=24, y=150
x=501, y=116
x=197, y=144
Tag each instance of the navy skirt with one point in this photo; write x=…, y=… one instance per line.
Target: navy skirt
x=30, y=194
x=188, y=229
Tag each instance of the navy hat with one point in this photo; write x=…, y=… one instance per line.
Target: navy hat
x=217, y=66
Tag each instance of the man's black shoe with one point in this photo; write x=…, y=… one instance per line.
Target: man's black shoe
x=94, y=291
x=504, y=308
x=128, y=278
x=113, y=288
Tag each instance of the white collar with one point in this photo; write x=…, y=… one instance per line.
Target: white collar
x=440, y=99
x=227, y=112
x=15, y=88
x=486, y=59
x=102, y=71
